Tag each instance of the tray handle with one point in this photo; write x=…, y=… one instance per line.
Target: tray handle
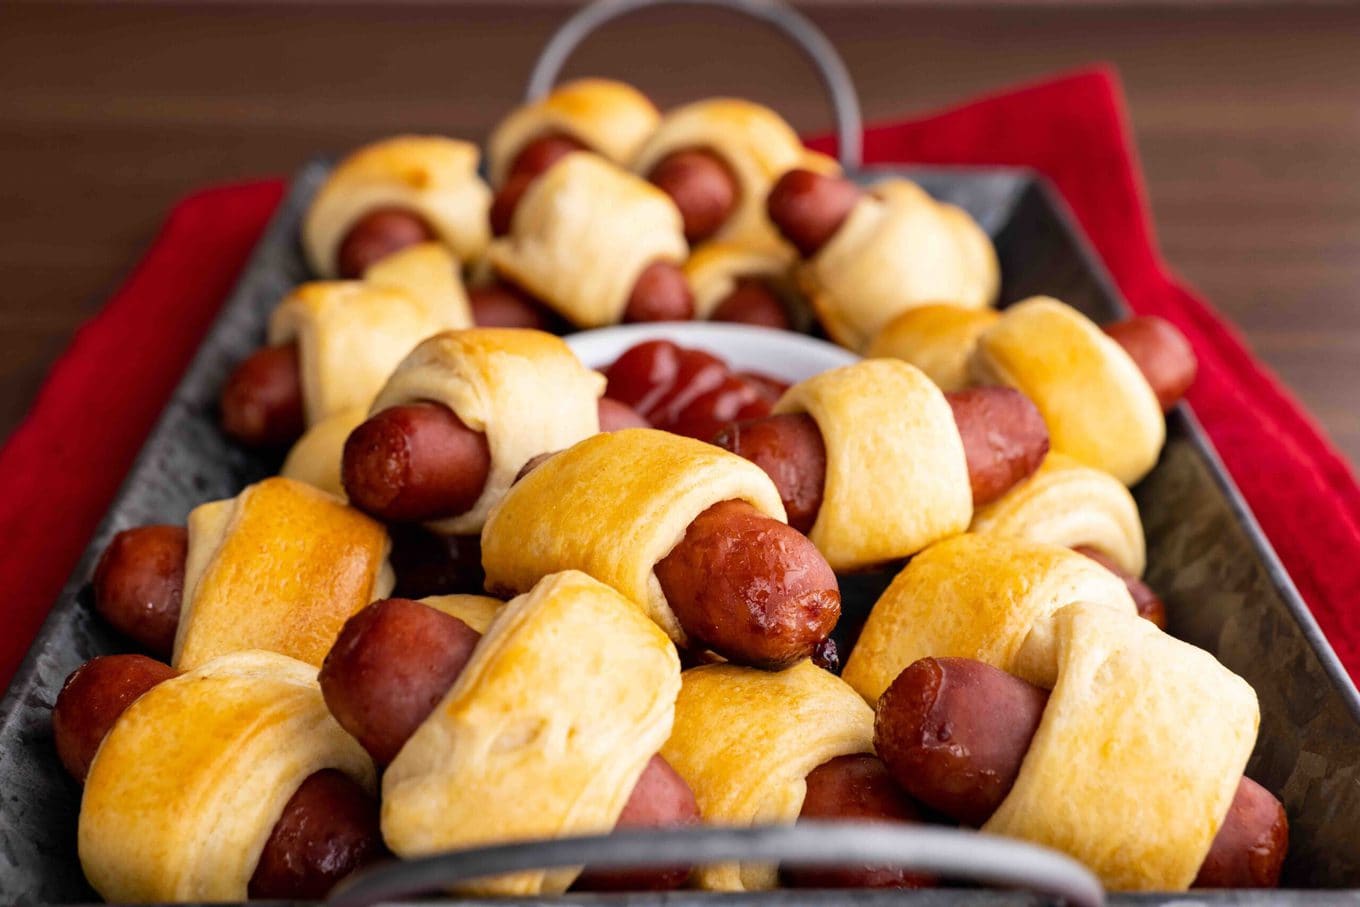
x=793, y=24
x=961, y=855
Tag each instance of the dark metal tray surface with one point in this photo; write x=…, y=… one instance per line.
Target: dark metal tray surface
x=1224, y=587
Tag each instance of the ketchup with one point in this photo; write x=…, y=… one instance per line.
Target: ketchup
x=688, y=392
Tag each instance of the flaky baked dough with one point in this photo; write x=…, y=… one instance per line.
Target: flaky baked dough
x=714, y=268
x=315, y=458
x=1098, y=406
x=281, y=567
x=757, y=146
x=430, y=273
x=973, y=596
x=583, y=233
x=1139, y=751
x=350, y=335
x=1065, y=503
x=611, y=118
x=612, y=506
x=524, y=389
x=745, y=740
x=897, y=249
x=896, y=474
x=938, y=339
x=428, y=175
x=186, y=789
x=545, y=733
x=477, y=611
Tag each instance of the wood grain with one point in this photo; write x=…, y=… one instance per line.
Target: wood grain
x=1247, y=119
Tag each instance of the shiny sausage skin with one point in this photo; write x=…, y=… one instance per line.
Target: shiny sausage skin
x=790, y=449
x=261, y=403
x=753, y=302
x=660, y=799
x=533, y=159
x=415, y=462
x=954, y=732
x=1149, y=604
x=377, y=235
x=93, y=698
x=139, y=582
x=661, y=293
x=328, y=830
x=856, y=788
x=1249, y=850
x=827, y=656
x=1004, y=438
x=427, y=563
x=1004, y=441
x=388, y=669
x=702, y=187
x=501, y=305
x=1161, y=353
x=615, y=415
x=750, y=588
x=808, y=208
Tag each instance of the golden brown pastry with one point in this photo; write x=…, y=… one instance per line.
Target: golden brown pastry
x=315, y=458
x=524, y=389
x=896, y=475
x=714, y=268
x=898, y=249
x=430, y=176
x=188, y=785
x=973, y=596
x=430, y=273
x=745, y=740
x=567, y=696
x=757, y=146
x=581, y=236
x=350, y=335
x=1099, y=408
x=1073, y=506
x=281, y=567
x=613, y=506
x=1139, y=752
x=477, y=611
x=937, y=339
x=610, y=118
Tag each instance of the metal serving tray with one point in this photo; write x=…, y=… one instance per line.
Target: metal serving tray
x=1225, y=590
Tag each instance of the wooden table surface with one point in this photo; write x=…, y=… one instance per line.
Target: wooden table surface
x=1247, y=119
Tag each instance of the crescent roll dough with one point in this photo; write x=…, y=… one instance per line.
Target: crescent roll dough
x=545, y=733
x=714, y=268
x=1139, y=751
x=1065, y=503
x=610, y=118
x=281, y=567
x=315, y=457
x=757, y=146
x=896, y=474
x=583, y=233
x=430, y=273
x=897, y=249
x=745, y=740
x=612, y=506
x=186, y=789
x=431, y=176
x=1098, y=407
x=973, y=596
x=525, y=389
x=477, y=611
x=350, y=335
x=937, y=339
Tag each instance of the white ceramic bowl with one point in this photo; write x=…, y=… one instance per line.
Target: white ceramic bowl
x=782, y=354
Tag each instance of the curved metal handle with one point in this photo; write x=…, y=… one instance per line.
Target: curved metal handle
x=962, y=855
x=797, y=27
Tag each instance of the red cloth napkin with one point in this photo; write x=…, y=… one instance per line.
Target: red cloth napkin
x=60, y=469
